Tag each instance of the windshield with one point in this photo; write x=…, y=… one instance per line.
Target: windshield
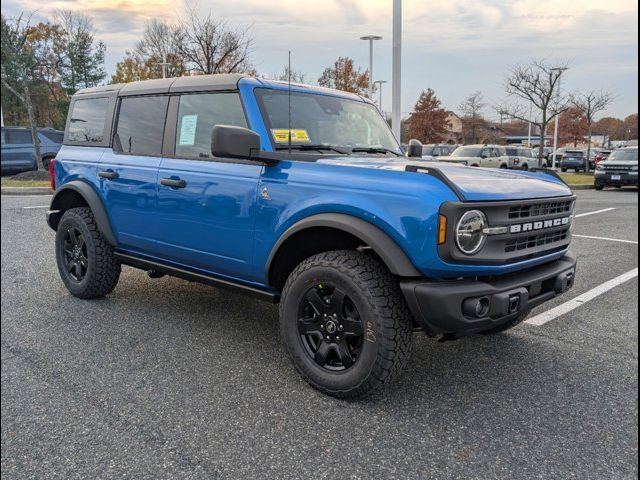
x=467, y=152
x=624, y=155
x=324, y=120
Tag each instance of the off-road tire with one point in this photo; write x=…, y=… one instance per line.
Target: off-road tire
x=386, y=322
x=507, y=326
x=103, y=269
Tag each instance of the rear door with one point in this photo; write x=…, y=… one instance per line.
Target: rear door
x=18, y=153
x=206, y=205
x=129, y=171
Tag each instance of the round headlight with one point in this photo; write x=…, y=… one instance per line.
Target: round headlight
x=470, y=236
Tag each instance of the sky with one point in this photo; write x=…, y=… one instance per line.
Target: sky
x=455, y=47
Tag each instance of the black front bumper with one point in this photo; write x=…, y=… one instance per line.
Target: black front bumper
x=624, y=180
x=443, y=307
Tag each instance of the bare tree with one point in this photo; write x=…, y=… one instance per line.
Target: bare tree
x=159, y=46
x=536, y=84
x=590, y=104
x=295, y=75
x=471, y=109
x=19, y=63
x=209, y=45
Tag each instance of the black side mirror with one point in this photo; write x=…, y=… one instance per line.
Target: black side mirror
x=415, y=148
x=235, y=142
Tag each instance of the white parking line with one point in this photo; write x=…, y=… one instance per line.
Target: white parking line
x=37, y=206
x=594, y=212
x=567, y=307
x=606, y=238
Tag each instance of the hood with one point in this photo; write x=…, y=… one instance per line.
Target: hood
x=475, y=184
x=626, y=163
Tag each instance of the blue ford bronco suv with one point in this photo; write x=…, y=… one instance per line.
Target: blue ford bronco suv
x=301, y=195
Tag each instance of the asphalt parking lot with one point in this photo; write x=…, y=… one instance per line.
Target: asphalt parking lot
x=167, y=379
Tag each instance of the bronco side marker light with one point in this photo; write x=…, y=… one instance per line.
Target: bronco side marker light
x=442, y=230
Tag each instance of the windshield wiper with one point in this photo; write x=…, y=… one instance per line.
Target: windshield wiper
x=307, y=147
x=375, y=150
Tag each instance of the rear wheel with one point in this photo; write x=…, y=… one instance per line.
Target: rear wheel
x=45, y=162
x=563, y=170
x=344, y=323
x=86, y=262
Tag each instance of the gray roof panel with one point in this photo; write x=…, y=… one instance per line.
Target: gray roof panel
x=195, y=83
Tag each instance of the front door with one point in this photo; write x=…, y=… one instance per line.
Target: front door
x=206, y=205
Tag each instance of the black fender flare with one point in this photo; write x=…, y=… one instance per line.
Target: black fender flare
x=384, y=246
x=93, y=200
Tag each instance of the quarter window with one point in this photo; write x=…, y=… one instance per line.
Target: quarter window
x=141, y=125
x=87, y=120
x=198, y=114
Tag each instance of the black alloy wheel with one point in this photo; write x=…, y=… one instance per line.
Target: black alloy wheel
x=75, y=254
x=330, y=327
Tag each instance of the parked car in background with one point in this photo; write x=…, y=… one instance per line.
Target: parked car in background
x=433, y=151
x=573, y=160
x=18, y=152
x=489, y=156
x=602, y=155
x=546, y=152
x=521, y=158
x=619, y=170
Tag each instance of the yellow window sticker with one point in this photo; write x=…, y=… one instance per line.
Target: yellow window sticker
x=281, y=135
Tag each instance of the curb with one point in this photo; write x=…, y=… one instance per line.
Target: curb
x=26, y=191
x=582, y=187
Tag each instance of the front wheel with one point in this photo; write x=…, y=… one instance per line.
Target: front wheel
x=86, y=262
x=344, y=323
x=599, y=186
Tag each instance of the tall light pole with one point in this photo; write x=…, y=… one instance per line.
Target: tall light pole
x=396, y=76
x=371, y=39
x=556, y=122
x=380, y=83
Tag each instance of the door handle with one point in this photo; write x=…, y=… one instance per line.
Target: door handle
x=173, y=182
x=108, y=174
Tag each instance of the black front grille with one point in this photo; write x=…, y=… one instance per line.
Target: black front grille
x=536, y=234
x=540, y=209
x=534, y=241
x=617, y=168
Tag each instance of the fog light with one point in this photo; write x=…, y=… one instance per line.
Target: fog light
x=476, y=307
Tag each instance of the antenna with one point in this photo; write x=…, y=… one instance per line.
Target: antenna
x=289, y=93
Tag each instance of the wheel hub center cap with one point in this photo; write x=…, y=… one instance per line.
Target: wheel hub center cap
x=331, y=327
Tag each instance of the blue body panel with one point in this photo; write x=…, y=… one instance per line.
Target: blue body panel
x=222, y=225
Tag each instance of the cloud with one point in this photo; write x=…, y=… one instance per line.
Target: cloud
x=454, y=46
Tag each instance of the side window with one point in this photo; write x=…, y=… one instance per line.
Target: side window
x=486, y=152
x=198, y=114
x=55, y=137
x=141, y=125
x=87, y=120
x=19, y=137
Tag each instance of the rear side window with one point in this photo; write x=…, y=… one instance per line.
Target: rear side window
x=87, y=120
x=141, y=125
x=19, y=137
x=198, y=114
x=55, y=137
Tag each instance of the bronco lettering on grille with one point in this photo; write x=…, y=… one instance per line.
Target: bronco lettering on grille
x=541, y=225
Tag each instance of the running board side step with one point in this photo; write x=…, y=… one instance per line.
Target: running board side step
x=158, y=268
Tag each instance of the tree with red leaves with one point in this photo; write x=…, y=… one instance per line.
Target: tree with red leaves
x=428, y=122
x=346, y=77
